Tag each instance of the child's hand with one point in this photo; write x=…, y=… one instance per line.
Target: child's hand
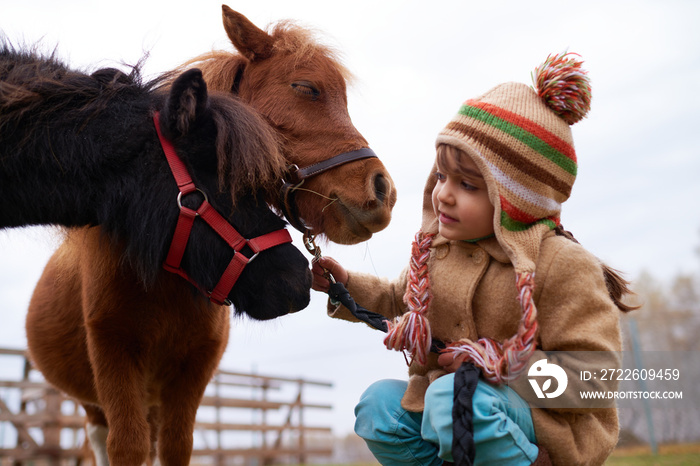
x=321, y=283
x=451, y=361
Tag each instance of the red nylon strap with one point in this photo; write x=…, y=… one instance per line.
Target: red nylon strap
x=239, y=261
x=217, y=222
x=180, y=238
x=269, y=240
x=182, y=176
x=229, y=278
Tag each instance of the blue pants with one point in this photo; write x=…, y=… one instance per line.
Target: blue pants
x=503, y=429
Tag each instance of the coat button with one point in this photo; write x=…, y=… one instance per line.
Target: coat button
x=478, y=256
x=442, y=251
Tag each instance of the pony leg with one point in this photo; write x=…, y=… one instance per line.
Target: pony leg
x=179, y=402
x=96, y=431
x=120, y=386
x=153, y=422
x=116, y=351
x=128, y=441
x=97, y=435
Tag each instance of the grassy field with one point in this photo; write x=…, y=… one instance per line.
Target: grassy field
x=668, y=455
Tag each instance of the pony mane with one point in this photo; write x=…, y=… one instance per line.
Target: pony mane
x=39, y=85
x=303, y=44
x=35, y=85
x=221, y=67
x=258, y=163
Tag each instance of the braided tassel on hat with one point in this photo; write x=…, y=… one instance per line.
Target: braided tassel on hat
x=411, y=331
x=502, y=362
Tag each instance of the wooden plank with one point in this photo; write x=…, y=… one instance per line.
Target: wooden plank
x=22, y=432
x=23, y=384
x=41, y=453
x=259, y=452
x=39, y=419
x=257, y=427
x=281, y=379
x=225, y=402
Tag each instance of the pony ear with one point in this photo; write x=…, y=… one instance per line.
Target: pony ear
x=107, y=76
x=251, y=41
x=188, y=99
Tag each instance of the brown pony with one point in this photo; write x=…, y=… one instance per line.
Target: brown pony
x=300, y=88
x=164, y=342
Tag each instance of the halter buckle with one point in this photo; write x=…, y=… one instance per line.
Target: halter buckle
x=180, y=194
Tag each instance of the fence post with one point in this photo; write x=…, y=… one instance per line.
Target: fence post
x=23, y=436
x=300, y=407
x=52, y=425
x=636, y=351
x=219, y=458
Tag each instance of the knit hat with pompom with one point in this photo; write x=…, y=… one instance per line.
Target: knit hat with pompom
x=520, y=138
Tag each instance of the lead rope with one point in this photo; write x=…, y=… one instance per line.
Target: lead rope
x=417, y=293
x=498, y=361
x=339, y=295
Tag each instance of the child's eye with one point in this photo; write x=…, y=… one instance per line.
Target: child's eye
x=468, y=186
x=439, y=176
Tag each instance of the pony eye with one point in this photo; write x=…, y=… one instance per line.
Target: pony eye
x=307, y=89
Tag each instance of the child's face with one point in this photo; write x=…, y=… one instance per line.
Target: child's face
x=461, y=202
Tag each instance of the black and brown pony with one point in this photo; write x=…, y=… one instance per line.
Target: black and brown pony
x=334, y=186
x=80, y=150
x=106, y=324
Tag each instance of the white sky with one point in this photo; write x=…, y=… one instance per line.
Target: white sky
x=633, y=205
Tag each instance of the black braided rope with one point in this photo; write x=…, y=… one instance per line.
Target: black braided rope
x=466, y=378
x=463, y=449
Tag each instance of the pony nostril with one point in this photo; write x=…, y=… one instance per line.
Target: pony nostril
x=381, y=187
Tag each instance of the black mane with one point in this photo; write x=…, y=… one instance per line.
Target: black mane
x=79, y=149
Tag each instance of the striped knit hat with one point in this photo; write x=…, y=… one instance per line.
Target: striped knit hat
x=520, y=139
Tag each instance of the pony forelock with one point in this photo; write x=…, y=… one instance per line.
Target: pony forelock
x=304, y=44
x=220, y=67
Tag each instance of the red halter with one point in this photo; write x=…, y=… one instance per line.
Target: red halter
x=217, y=222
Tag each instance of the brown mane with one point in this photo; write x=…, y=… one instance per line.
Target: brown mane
x=220, y=67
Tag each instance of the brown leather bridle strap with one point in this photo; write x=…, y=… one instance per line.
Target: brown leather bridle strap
x=300, y=174
x=205, y=211
x=296, y=176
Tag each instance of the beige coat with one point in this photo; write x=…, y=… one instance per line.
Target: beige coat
x=474, y=295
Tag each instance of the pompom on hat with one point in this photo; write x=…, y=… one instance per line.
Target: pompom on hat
x=520, y=138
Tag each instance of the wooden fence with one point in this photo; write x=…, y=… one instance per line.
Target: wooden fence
x=244, y=419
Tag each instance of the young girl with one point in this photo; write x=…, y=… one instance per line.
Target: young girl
x=491, y=212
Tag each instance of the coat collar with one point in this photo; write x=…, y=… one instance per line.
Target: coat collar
x=490, y=245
